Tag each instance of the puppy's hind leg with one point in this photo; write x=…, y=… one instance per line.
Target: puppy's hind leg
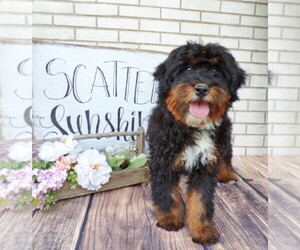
x=226, y=173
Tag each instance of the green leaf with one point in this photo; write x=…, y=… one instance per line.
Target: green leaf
x=11, y=165
x=137, y=162
x=72, y=178
x=115, y=161
x=23, y=200
x=34, y=178
x=4, y=202
x=41, y=165
x=35, y=202
x=51, y=200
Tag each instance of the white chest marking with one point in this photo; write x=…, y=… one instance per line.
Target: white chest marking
x=203, y=151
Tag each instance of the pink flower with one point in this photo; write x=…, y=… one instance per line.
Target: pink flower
x=64, y=163
x=50, y=179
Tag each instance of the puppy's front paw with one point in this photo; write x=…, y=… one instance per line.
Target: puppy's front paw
x=170, y=223
x=206, y=235
x=227, y=177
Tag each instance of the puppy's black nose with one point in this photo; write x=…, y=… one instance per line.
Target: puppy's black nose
x=201, y=90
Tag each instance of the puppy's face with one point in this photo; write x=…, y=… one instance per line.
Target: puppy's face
x=199, y=83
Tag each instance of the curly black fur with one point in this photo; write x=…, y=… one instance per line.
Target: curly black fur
x=170, y=135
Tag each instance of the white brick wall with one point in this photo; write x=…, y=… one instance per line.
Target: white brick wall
x=68, y=20
x=238, y=7
x=93, y=9
x=158, y=25
x=250, y=117
x=139, y=37
x=284, y=93
x=199, y=28
x=211, y=17
x=21, y=6
x=159, y=3
x=52, y=7
x=201, y=6
x=139, y=11
x=155, y=25
x=233, y=31
x=15, y=21
x=118, y=23
x=184, y=15
x=96, y=35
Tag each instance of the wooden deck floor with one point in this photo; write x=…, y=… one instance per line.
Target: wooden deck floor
x=123, y=218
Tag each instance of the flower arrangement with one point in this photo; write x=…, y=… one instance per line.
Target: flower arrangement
x=15, y=176
x=52, y=164
x=55, y=163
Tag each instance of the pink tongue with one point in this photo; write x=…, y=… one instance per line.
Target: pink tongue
x=199, y=109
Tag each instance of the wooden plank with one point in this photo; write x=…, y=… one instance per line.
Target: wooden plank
x=250, y=167
x=284, y=218
x=289, y=186
x=123, y=219
x=15, y=228
x=118, y=179
x=260, y=186
x=254, y=172
x=260, y=164
x=60, y=227
x=284, y=167
x=241, y=217
x=284, y=203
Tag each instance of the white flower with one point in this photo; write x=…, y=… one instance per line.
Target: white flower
x=66, y=144
x=92, y=169
x=20, y=151
x=111, y=150
x=52, y=151
x=35, y=171
x=75, y=152
x=48, y=152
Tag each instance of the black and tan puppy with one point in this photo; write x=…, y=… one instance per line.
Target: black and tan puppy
x=189, y=133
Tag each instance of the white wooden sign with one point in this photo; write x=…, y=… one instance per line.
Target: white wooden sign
x=15, y=91
x=80, y=90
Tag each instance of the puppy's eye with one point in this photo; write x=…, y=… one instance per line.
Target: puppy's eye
x=214, y=69
x=188, y=69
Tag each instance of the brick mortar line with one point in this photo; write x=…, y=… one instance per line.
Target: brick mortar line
x=161, y=8
x=196, y=11
x=152, y=19
x=148, y=31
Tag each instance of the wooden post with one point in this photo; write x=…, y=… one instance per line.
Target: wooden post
x=140, y=141
x=90, y=136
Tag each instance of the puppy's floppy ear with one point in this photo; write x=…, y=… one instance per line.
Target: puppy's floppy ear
x=160, y=72
x=238, y=79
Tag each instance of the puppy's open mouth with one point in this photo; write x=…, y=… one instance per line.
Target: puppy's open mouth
x=199, y=109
